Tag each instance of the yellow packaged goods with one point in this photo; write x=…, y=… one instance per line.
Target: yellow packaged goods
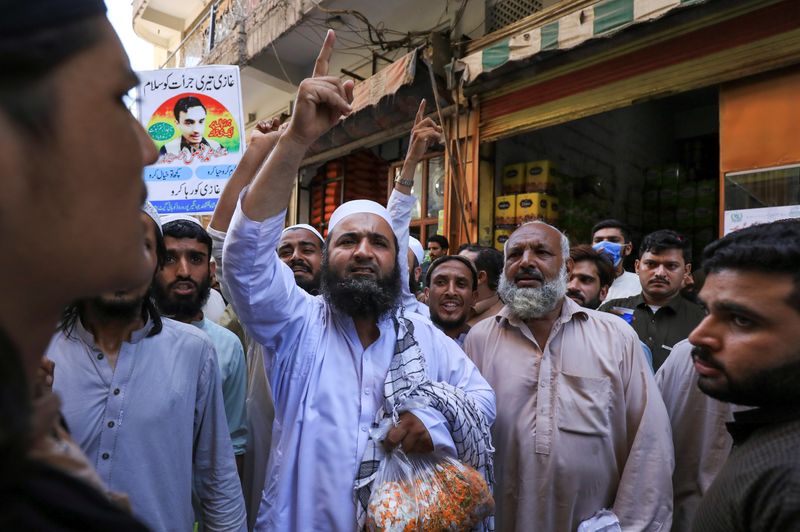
x=552, y=209
x=505, y=210
x=540, y=176
x=514, y=178
x=501, y=234
x=532, y=206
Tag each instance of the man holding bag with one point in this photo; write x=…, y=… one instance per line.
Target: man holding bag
x=340, y=362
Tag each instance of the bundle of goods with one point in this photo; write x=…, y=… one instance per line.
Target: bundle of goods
x=427, y=492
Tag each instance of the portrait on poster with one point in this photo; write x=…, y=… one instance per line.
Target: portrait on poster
x=194, y=118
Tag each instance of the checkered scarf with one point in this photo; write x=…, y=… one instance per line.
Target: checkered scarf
x=407, y=382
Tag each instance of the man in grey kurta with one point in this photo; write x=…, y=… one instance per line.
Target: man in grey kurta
x=580, y=424
x=142, y=397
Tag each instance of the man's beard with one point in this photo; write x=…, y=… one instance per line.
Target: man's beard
x=592, y=303
x=529, y=303
x=118, y=308
x=182, y=307
x=360, y=297
x=767, y=387
x=309, y=285
x=448, y=325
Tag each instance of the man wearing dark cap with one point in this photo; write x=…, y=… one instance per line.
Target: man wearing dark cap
x=72, y=218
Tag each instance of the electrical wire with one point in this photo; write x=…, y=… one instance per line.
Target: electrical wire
x=280, y=63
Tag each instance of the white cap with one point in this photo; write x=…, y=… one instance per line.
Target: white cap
x=307, y=228
x=358, y=207
x=151, y=211
x=167, y=218
x=416, y=246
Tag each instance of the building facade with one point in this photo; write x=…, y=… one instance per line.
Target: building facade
x=663, y=113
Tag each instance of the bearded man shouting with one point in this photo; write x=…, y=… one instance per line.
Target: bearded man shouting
x=340, y=362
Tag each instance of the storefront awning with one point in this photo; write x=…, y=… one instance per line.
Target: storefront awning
x=601, y=19
x=380, y=103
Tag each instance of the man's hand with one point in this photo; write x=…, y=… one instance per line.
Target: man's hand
x=263, y=138
x=321, y=100
x=411, y=434
x=425, y=134
x=44, y=377
x=267, y=132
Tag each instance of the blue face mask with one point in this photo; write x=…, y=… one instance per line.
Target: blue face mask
x=612, y=249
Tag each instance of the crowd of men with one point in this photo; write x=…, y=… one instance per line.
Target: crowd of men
x=590, y=397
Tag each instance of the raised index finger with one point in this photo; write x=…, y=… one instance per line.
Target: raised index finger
x=420, y=112
x=321, y=65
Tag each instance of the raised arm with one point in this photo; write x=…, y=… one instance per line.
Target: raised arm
x=262, y=141
x=261, y=287
x=321, y=102
x=424, y=134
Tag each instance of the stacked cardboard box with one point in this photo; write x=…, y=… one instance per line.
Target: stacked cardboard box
x=528, y=194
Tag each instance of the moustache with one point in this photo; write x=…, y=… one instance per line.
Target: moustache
x=173, y=284
x=529, y=273
x=575, y=294
x=659, y=280
x=372, y=267
x=300, y=264
x=704, y=355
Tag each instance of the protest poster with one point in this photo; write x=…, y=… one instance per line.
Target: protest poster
x=194, y=117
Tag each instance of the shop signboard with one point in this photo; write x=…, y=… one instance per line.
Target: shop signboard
x=739, y=219
x=194, y=117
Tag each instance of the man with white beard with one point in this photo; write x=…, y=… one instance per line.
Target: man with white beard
x=580, y=424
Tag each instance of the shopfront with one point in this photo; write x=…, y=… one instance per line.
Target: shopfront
x=760, y=156
x=643, y=125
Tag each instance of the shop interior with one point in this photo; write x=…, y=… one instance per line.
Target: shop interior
x=369, y=174
x=653, y=165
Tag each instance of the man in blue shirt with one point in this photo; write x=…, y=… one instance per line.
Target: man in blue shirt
x=181, y=289
x=142, y=398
